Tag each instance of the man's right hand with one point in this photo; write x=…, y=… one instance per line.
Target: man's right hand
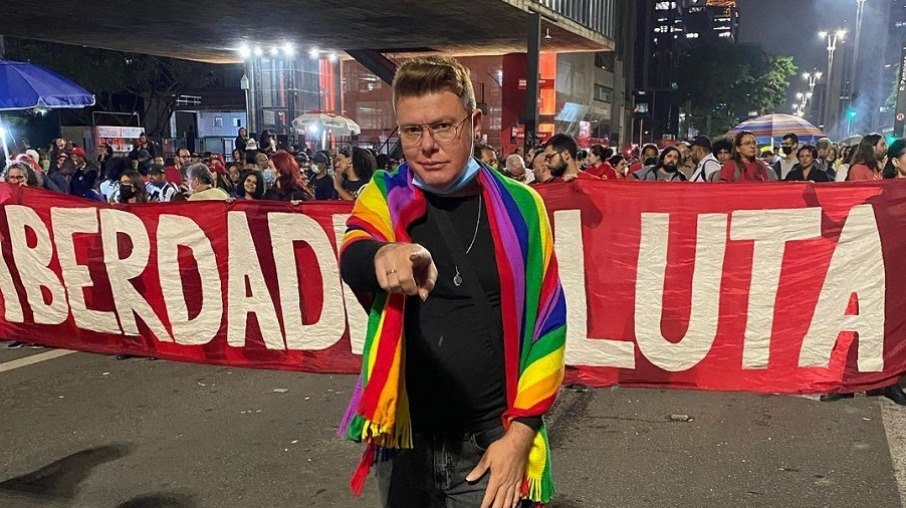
x=405, y=268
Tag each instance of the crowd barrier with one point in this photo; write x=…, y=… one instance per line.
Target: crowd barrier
x=777, y=288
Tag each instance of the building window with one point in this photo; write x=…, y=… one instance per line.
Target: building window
x=603, y=93
x=218, y=122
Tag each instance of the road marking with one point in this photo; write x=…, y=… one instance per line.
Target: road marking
x=894, y=419
x=33, y=359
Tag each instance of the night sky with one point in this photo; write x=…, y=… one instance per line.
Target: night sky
x=790, y=27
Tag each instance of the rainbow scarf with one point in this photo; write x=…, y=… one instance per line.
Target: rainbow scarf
x=532, y=303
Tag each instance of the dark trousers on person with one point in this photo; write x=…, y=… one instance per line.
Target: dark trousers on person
x=433, y=473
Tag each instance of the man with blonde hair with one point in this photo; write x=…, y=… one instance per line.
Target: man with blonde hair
x=464, y=352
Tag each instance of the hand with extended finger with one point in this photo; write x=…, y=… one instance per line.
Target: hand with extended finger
x=405, y=268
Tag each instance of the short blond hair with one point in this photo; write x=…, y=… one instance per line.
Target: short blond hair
x=434, y=74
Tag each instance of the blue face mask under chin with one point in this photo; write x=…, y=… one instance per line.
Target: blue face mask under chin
x=465, y=177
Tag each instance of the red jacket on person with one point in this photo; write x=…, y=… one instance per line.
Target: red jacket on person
x=172, y=174
x=603, y=170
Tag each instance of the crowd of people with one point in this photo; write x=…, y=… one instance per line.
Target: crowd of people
x=145, y=175
x=721, y=160
x=259, y=169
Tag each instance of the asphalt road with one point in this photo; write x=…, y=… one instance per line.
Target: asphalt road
x=88, y=430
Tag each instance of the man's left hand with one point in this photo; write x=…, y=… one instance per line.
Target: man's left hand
x=506, y=458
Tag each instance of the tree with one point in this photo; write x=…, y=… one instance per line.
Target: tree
x=145, y=84
x=725, y=81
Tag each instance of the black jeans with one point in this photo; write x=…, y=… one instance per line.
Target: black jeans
x=433, y=473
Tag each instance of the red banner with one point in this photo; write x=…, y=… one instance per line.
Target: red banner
x=778, y=288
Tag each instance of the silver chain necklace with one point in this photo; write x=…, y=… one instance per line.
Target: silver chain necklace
x=457, y=279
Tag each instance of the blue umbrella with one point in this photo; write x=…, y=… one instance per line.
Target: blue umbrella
x=25, y=85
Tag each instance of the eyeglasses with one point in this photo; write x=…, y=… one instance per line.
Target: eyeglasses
x=443, y=131
x=549, y=156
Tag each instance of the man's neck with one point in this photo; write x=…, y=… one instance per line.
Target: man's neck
x=201, y=188
x=572, y=168
x=791, y=157
x=471, y=189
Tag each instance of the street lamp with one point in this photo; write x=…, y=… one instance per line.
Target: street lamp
x=244, y=85
x=812, y=78
x=832, y=39
x=860, y=8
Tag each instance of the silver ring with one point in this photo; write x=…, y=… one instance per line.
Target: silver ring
x=392, y=270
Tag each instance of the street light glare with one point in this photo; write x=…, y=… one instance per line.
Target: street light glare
x=313, y=53
x=258, y=51
x=274, y=51
x=841, y=33
x=806, y=75
x=822, y=34
x=244, y=51
x=818, y=75
x=289, y=49
x=333, y=57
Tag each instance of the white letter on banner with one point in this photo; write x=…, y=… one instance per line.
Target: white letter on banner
x=244, y=265
x=580, y=348
x=11, y=303
x=287, y=228
x=33, y=265
x=770, y=229
x=356, y=316
x=173, y=231
x=67, y=222
x=710, y=247
x=128, y=300
x=857, y=266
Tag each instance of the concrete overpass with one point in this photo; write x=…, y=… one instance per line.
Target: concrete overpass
x=212, y=31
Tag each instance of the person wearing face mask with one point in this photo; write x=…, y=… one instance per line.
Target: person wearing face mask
x=132, y=188
x=541, y=173
x=666, y=169
x=454, y=261
x=790, y=147
x=322, y=182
